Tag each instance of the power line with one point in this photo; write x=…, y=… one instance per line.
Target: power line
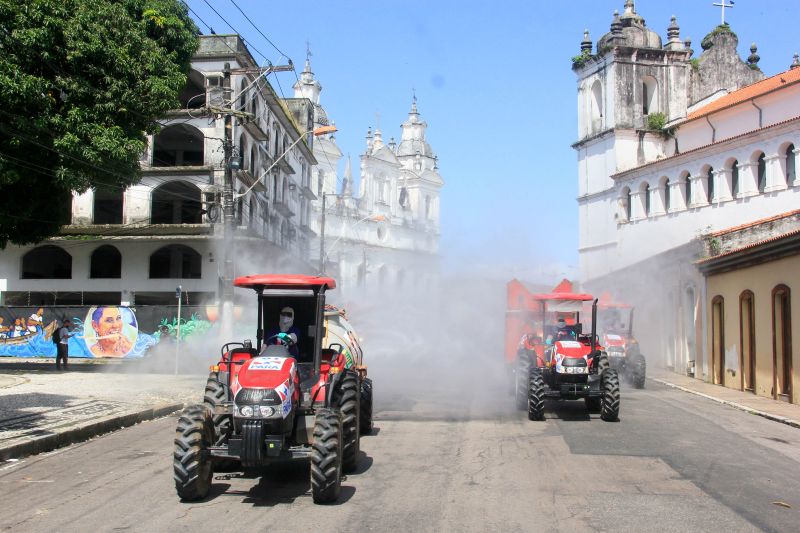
x=259, y=31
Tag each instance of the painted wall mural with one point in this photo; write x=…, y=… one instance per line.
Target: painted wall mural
x=103, y=331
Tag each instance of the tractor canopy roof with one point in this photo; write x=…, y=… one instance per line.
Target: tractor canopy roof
x=284, y=281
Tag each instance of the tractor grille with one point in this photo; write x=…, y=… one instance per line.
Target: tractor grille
x=257, y=397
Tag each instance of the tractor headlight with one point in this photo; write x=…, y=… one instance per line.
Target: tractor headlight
x=246, y=410
x=266, y=411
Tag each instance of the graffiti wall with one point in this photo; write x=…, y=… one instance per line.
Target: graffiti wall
x=106, y=331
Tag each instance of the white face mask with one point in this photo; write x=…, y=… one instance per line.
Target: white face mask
x=286, y=323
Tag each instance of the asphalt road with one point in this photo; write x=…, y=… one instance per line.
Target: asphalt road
x=449, y=461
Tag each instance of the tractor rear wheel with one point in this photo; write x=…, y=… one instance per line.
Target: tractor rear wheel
x=521, y=383
x=609, y=384
x=638, y=371
x=535, y=395
x=365, y=414
x=191, y=463
x=326, y=456
x=346, y=398
x=217, y=394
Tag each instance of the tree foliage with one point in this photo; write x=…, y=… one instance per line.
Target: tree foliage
x=81, y=83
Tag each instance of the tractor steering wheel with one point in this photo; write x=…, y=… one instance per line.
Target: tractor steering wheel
x=284, y=339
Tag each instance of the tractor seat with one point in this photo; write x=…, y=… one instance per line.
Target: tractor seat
x=242, y=354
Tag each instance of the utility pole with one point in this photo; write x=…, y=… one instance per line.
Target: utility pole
x=322, y=236
x=227, y=198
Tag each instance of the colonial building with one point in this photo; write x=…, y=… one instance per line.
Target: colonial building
x=674, y=146
x=136, y=245
x=387, y=234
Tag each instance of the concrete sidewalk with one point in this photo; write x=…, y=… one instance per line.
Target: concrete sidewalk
x=783, y=412
x=42, y=409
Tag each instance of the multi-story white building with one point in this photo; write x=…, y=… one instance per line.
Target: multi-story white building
x=136, y=245
x=389, y=232
x=673, y=147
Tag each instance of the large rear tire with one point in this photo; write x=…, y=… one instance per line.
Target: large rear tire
x=347, y=399
x=191, y=463
x=365, y=409
x=216, y=394
x=609, y=383
x=326, y=456
x=535, y=395
x=638, y=371
x=521, y=377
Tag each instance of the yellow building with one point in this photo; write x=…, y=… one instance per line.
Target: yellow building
x=752, y=273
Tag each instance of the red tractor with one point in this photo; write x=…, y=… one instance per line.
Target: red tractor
x=558, y=361
x=286, y=399
x=616, y=333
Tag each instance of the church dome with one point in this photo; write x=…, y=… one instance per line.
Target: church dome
x=629, y=30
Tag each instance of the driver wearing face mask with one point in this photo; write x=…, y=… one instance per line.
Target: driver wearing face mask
x=286, y=325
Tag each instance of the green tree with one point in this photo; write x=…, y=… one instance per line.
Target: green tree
x=81, y=84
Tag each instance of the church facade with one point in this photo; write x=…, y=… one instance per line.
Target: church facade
x=674, y=147
x=385, y=235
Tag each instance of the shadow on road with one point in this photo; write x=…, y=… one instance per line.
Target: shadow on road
x=26, y=411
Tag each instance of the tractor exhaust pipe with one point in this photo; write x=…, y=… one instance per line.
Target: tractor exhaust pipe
x=594, y=326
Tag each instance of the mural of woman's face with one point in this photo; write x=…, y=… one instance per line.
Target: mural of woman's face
x=109, y=323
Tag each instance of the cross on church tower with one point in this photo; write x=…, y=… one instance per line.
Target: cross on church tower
x=308, y=50
x=722, y=5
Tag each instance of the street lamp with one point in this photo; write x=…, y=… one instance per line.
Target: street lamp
x=322, y=130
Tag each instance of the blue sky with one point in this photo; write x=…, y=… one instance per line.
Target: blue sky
x=493, y=81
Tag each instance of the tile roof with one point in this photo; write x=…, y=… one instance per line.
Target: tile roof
x=774, y=238
x=759, y=88
x=755, y=223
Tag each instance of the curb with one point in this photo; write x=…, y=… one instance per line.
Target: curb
x=764, y=414
x=86, y=431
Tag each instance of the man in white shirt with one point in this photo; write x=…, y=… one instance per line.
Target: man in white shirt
x=62, y=348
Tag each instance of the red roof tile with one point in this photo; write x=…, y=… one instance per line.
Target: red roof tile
x=759, y=88
x=755, y=223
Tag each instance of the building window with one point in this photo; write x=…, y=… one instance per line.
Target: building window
x=106, y=262
x=782, y=341
x=688, y=190
x=735, y=179
x=108, y=205
x=667, y=199
x=175, y=261
x=193, y=95
x=178, y=146
x=646, y=198
x=762, y=173
x=649, y=95
x=747, y=340
x=176, y=202
x=710, y=185
x=790, y=165
x=596, y=103
x=718, y=340
x=626, y=204
x=46, y=262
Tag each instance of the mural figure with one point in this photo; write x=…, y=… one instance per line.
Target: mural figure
x=3, y=329
x=113, y=332
x=36, y=322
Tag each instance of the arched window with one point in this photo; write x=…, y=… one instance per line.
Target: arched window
x=710, y=185
x=242, y=151
x=177, y=146
x=667, y=198
x=625, y=204
x=596, y=106
x=790, y=164
x=193, y=95
x=108, y=205
x=735, y=179
x=46, y=262
x=687, y=190
x=782, y=341
x=175, y=261
x=762, y=172
x=253, y=161
x=243, y=94
x=239, y=214
x=176, y=202
x=747, y=340
x=649, y=95
x=106, y=262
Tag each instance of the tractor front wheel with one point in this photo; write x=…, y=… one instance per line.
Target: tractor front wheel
x=326, y=456
x=638, y=371
x=609, y=384
x=521, y=383
x=192, y=466
x=535, y=395
x=217, y=394
x=346, y=398
x=365, y=414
